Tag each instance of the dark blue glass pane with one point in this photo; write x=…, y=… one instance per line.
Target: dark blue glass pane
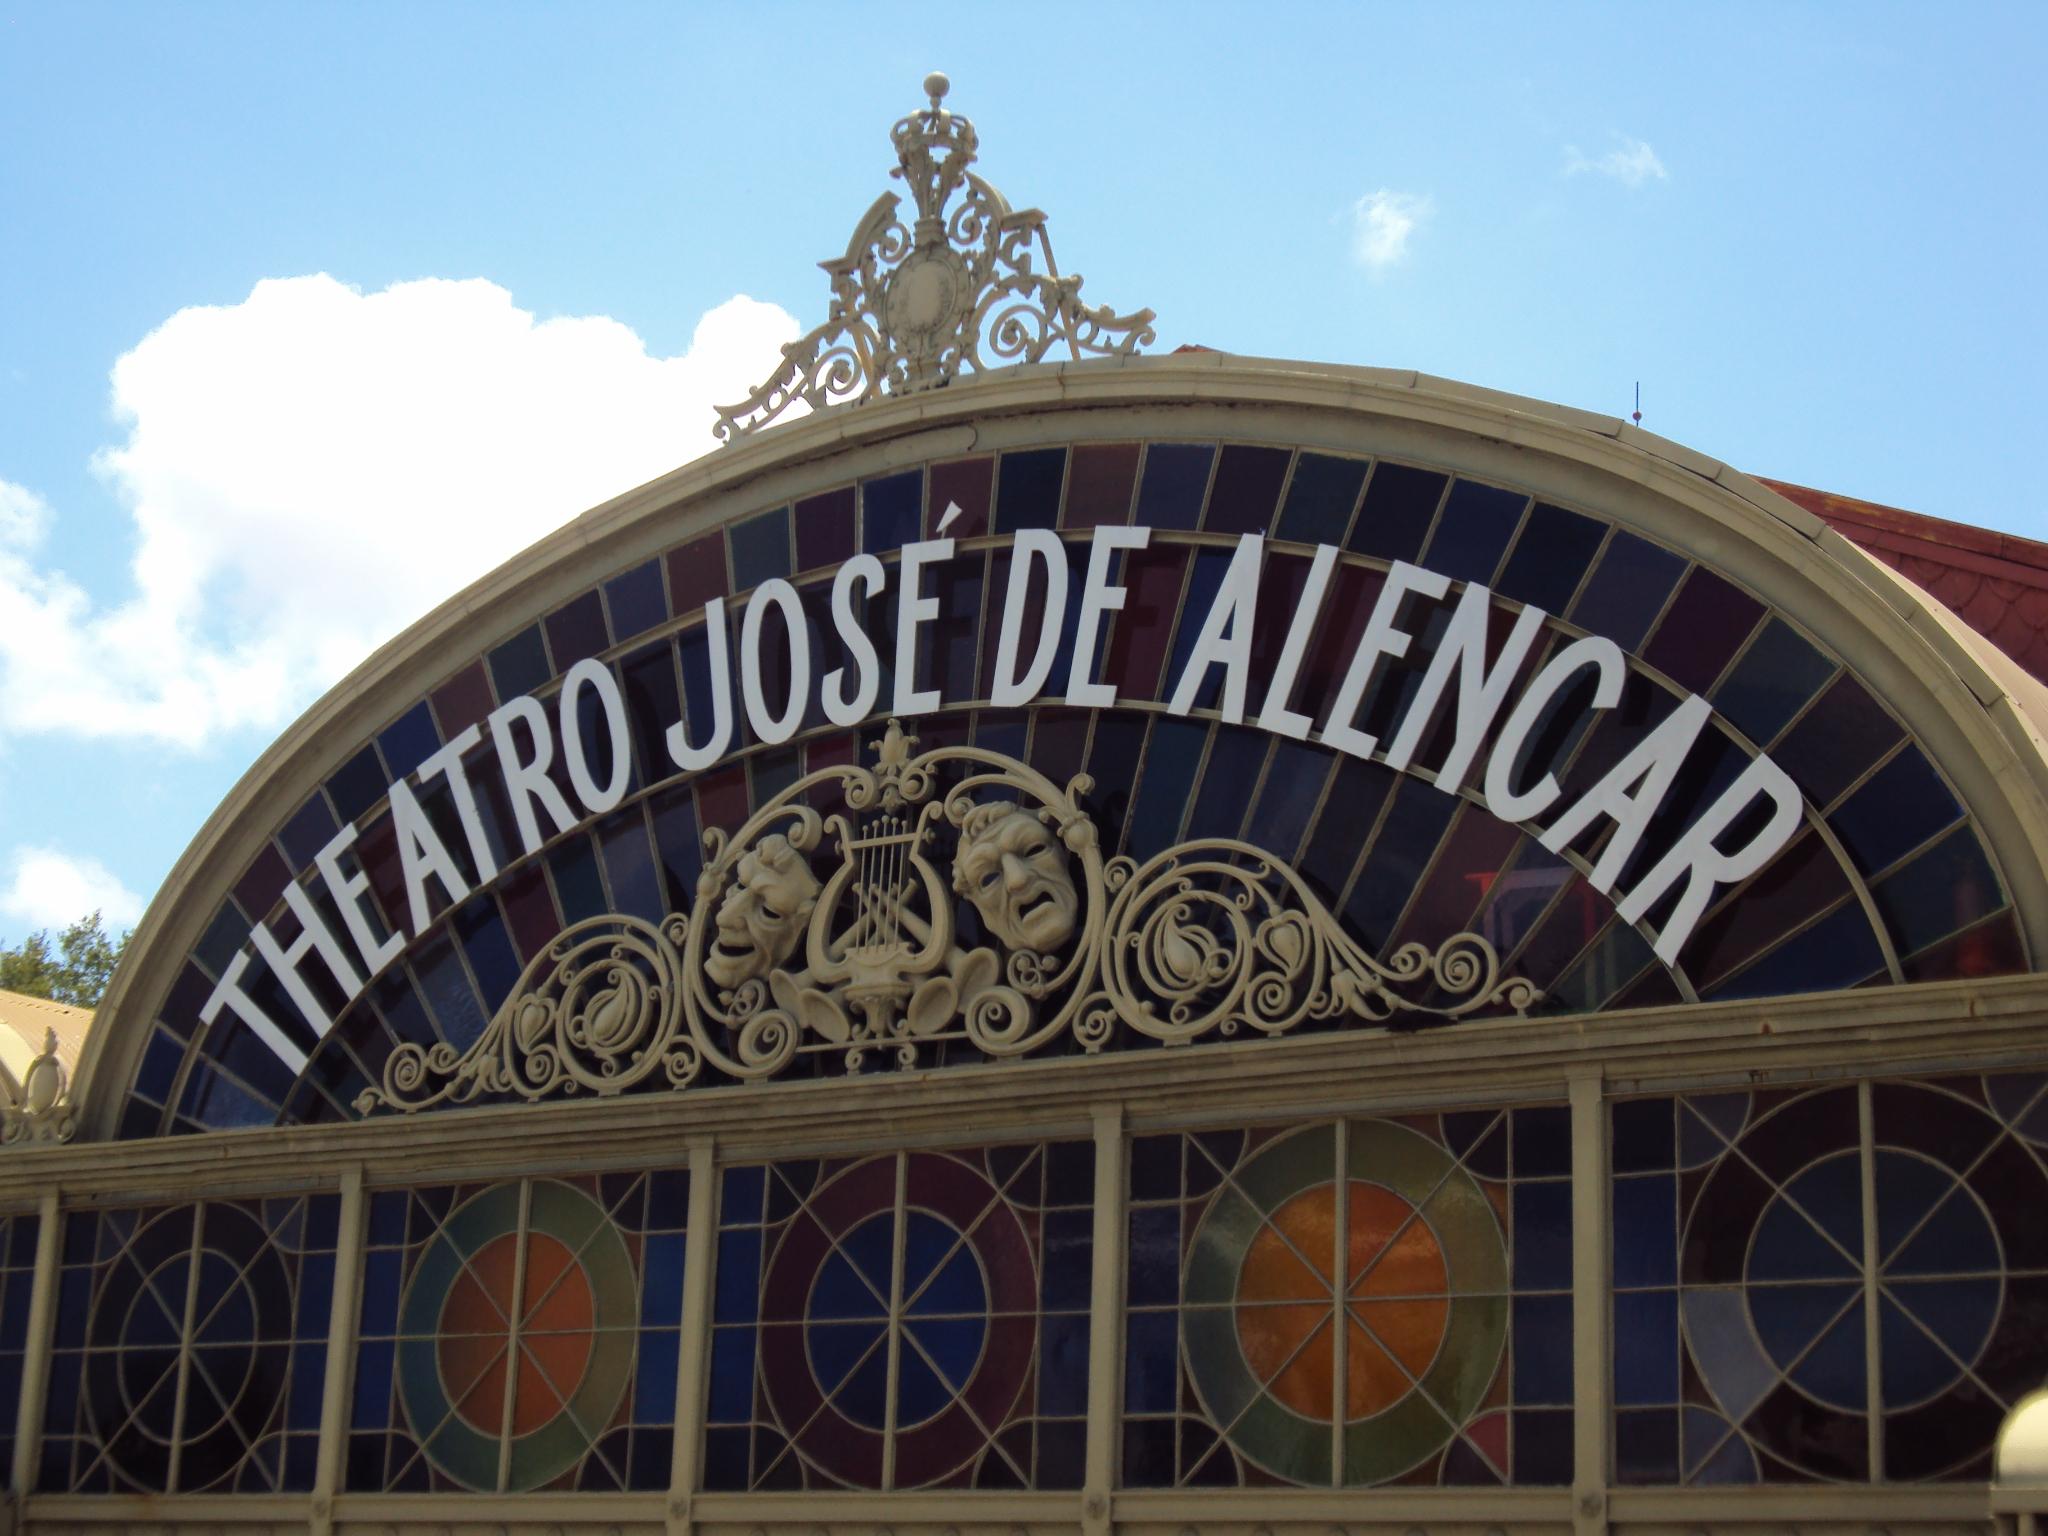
x=1646, y=1230
x=1063, y=1366
x=1151, y=1361
x=1400, y=504
x=1550, y=558
x=1838, y=951
x=740, y=1196
x=891, y=511
x=1779, y=672
x=654, y=1381
x=1646, y=1446
x=1320, y=498
x=1543, y=1236
x=1288, y=798
x=636, y=601
x=1948, y=887
x=1473, y=530
x=409, y=740
x=1543, y=1349
x=1154, y=1278
x=760, y=549
x=577, y=884
x=1204, y=583
x=1895, y=810
x=449, y=995
x=1028, y=488
x=1627, y=589
x=732, y=1376
x=1068, y=1259
x=1399, y=860
x=1176, y=479
x=311, y=828
x=1171, y=758
x=739, y=1274
x=358, y=784
x=629, y=866
x=1646, y=1347
x=1643, y=1135
x=1543, y=1143
x=518, y=666
x=675, y=836
x=488, y=948
x=1246, y=490
x=1235, y=758
x=1841, y=734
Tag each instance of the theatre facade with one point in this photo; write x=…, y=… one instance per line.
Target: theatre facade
x=1058, y=940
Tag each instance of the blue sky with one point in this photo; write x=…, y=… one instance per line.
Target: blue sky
x=1813, y=232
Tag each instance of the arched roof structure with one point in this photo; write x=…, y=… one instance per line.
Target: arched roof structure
x=1970, y=714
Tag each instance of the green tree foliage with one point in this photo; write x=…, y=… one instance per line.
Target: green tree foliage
x=74, y=969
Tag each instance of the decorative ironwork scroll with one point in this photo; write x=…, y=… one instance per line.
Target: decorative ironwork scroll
x=937, y=905
x=972, y=288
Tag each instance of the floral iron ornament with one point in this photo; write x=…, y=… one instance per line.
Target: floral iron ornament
x=970, y=288
x=970, y=914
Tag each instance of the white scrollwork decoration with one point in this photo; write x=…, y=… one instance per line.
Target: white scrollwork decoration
x=949, y=901
x=967, y=287
x=596, y=1012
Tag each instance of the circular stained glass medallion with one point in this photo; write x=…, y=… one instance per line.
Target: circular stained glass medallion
x=954, y=1307
x=565, y=1363
x=1424, y=1311
x=239, y=1309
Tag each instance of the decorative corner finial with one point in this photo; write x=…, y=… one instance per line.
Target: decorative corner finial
x=965, y=286
x=44, y=1112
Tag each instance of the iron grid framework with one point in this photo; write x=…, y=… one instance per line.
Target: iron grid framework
x=1565, y=1425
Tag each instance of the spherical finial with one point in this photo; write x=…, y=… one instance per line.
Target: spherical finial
x=935, y=86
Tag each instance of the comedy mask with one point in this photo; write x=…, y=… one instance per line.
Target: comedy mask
x=763, y=916
x=1014, y=869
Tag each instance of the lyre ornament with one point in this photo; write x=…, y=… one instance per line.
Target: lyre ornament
x=969, y=284
x=939, y=906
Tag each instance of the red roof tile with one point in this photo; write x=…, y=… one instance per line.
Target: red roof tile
x=1997, y=583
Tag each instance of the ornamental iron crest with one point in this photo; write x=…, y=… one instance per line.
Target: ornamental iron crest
x=970, y=288
x=937, y=907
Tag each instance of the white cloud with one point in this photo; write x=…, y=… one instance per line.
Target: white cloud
x=313, y=468
x=1631, y=163
x=51, y=889
x=1383, y=223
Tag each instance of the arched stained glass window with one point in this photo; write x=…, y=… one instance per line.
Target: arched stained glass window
x=520, y=1335
x=1746, y=1347
x=1371, y=1302
x=917, y=1320
x=191, y=1347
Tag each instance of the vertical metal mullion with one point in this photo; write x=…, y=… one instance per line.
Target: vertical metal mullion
x=893, y=1341
x=512, y=1321
x=693, y=1378
x=1105, y=1320
x=1873, y=1386
x=342, y=1314
x=1591, y=1373
x=1340, y=1279
x=185, y=1347
x=42, y=1334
